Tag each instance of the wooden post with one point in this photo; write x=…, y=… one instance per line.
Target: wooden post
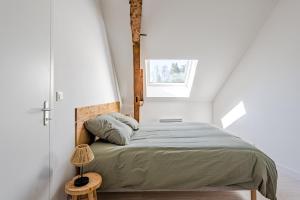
x=136, y=80
x=135, y=22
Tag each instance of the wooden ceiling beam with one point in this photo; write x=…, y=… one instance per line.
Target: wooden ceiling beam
x=135, y=22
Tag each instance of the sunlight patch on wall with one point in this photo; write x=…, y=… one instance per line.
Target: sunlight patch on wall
x=235, y=114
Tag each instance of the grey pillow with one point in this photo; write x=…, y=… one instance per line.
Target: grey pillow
x=108, y=128
x=126, y=120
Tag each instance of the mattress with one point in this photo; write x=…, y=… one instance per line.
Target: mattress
x=183, y=156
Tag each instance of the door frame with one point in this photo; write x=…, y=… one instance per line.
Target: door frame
x=51, y=99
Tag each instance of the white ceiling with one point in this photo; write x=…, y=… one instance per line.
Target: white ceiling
x=216, y=32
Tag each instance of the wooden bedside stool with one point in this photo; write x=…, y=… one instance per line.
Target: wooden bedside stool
x=88, y=191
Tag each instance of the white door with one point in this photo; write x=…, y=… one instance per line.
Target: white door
x=24, y=85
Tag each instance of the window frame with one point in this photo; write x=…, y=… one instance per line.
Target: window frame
x=170, y=90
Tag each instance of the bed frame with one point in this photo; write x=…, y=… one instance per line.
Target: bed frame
x=82, y=136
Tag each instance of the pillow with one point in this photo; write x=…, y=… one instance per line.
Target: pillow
x=108, y=128
x=126, y=120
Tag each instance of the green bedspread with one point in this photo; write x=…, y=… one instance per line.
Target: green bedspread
x=183, y=156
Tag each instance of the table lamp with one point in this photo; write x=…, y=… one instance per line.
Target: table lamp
x=82, y=156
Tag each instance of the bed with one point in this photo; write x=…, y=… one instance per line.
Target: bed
x=177, y=157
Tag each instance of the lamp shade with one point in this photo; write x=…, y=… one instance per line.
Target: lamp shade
x=82, y=155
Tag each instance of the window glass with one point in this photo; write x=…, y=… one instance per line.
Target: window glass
x=168, y=71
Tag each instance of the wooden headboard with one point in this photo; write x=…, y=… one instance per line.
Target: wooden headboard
x=82, y=136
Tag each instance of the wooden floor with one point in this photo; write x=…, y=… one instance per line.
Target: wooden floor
x=288, y=189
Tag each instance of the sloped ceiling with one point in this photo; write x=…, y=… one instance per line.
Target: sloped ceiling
x=216, y=32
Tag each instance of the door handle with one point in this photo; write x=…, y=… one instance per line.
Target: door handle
x=46, y=110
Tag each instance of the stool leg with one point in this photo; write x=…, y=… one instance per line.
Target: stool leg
x=91, y=196
x=95, y=194
x=74, y=197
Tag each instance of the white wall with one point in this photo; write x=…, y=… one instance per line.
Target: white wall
x=268, y=81
x=189, y=111
x=83, y=71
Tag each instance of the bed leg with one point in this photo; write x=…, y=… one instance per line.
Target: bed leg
x=253, y=194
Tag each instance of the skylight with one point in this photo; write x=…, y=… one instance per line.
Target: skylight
x=169, y=78
x=235, y=114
